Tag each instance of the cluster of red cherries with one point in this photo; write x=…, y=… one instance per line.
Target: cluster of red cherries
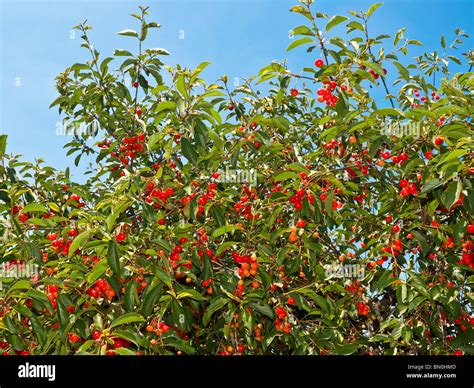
x=101, y=289
x=282, y=326
x=156, y=196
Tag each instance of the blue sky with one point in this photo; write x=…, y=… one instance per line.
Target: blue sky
x=239, y=37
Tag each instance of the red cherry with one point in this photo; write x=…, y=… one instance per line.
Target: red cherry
x=120, y=237
x=438, y=141
x=403, y=183
x=102, y=284
x=303, y=175
x=412, y=189
x=136, y=84
x=385, y=155
x=300, y=224
x=470, y=229
x=280, y=311
x=395, y=229
x=300, y=192
x=319, y=63
x=294, y=92
x=96, y=335
x=72, y=233
x=291, y=301
x=138, y=111
x=404, y=156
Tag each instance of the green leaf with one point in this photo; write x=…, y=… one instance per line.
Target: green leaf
x=116, y=211
x=22, y=284
x=188, y=151
x=99, y=270
x=372, y=8
x=388, y=112
x=150, y=299
x=354, y=25
x=263, y=309
x=133, y=337
x=301, y=10
x=215, y=305
x=328, y=203
x=181, y=86
x=218, y=214
x=302, y=30
x=421, y=238
x=162, y=106
x=399, y=35
x=451, y=194
x=122, y=53
x=430, y=185
x=9, y=324
x=283, y=176
x=85, y=346
x=79, y=240
x=193, y=294
x=401, y=293
x=163, y=276
x=35, y=207
x=125, y=352
x=298, y=42
x=113, y=258
x=127, y=318
x=335, y=20
x=80, y=66
x=202, y=66
x=180, y=345
x=38, y=330
x=345, y=350
x=385, y=280
x=322, y=302
x=104, y=64
x=225, y=229
x=3, y=145
x=128, y=33
x=158, y=51
x=378, y=69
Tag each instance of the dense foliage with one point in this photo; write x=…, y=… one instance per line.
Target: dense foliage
x=164, y=251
